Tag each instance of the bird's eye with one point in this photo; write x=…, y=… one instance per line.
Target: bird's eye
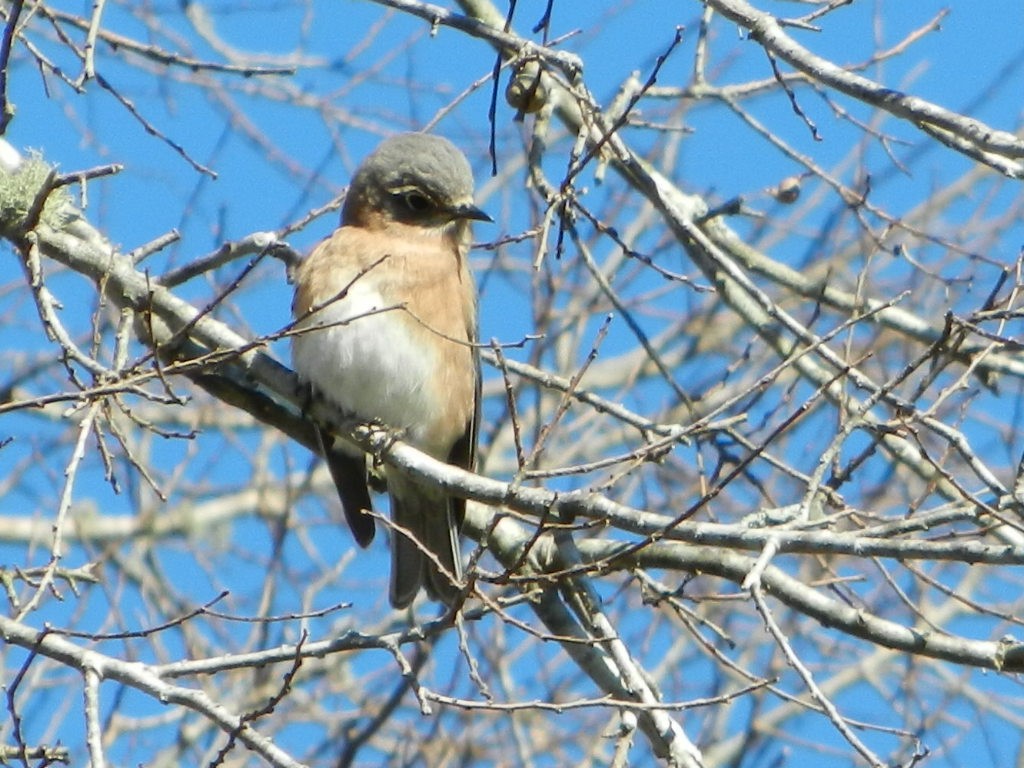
x=416, y=202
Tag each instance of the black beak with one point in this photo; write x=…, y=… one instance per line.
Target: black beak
x=470, y=211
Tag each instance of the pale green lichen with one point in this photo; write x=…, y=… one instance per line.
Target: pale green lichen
x=19, y=190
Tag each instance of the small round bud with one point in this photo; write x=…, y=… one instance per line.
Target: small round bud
x=788, y=190
x=527, y=89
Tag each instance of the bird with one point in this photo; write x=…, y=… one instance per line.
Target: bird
x=386, y=330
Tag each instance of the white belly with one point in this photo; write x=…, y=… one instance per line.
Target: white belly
x=374, y=366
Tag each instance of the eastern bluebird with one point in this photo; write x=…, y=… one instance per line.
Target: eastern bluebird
x=386, y=329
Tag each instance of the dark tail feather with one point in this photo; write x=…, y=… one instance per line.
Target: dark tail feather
x=442, y=538
x=349, y=475
x=431, y=521
x=406, y=557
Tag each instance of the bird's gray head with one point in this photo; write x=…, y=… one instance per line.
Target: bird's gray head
x=414, y=178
